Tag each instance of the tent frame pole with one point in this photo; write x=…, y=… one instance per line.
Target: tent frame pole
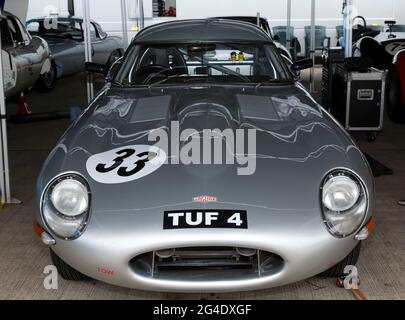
x=348, y=12
x=4, y=160
x=88, y=48
x=312, y=46
x=124, y=19
x=288, y=35
x=141, y=18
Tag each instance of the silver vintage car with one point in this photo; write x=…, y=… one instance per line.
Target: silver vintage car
x=65, y=38
x=137, y=193
x=26, y=59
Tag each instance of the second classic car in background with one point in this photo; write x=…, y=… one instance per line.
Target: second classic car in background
x=65, y=38
x=26, y=60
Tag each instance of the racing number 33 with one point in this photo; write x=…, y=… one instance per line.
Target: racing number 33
x=125, y=154
x=125, y=164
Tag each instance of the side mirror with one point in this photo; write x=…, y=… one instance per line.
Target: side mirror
x=276, y=37
x=201, y=48
x=302, y=64
x=91, y=67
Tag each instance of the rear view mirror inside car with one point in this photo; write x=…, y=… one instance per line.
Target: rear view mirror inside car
x=201, y=48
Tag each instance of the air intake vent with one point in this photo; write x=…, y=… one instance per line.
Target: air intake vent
x=207, y=263
x=151, y=109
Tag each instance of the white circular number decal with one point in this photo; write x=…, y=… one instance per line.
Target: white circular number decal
x=125, y=164
x=394, y=47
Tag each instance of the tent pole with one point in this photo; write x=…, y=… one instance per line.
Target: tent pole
x=124, y=19
x=141, y=18
x=288, y=35
x=4, y=161
x=349, y=28
x=312, y=46
x=88, y=48
x=5, y=195
x=71, y=8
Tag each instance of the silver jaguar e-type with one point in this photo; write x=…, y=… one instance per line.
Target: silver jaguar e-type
x=204, y=165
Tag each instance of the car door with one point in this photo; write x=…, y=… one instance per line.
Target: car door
x=10, y=70
x=74, y=50
x=35, y=49
x=71, y=51
x=101, y=44
x=24, y=53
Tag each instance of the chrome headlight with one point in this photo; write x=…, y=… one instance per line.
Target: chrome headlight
x=344, y=202
x=65, y=206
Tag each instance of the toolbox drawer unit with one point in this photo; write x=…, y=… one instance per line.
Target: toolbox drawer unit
x=358, y=98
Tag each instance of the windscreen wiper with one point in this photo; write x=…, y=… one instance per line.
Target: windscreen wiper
x=274, y=81
x=167, y=79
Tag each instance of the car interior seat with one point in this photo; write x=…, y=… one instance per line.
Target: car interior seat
x=161, y=61
x=167, y=57
x=363, y=30
x=395, y=96
x=373, y=50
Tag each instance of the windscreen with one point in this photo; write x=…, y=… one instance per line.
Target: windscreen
x=56, y=28
x=202, y=62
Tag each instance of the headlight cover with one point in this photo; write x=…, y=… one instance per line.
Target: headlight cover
x=70, y=197
x=344, y=202
x=66, y=205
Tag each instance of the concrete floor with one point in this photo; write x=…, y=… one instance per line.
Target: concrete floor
x=23, y=257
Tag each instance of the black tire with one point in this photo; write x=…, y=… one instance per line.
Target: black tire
x=66, y=271
x=338, y=270
x=47, y=82
x=395, y=107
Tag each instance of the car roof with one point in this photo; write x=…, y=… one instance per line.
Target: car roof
x=251, y=19
x=206, y=30
x=5, y=13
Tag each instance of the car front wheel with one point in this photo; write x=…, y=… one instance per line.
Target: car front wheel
x=47, y=81
x=338, y=270
x=66, y=271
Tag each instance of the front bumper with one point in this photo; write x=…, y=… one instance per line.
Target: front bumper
x=112, y=240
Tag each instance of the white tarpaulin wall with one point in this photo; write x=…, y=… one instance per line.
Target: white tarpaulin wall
x=328, y=12
x=17, y=7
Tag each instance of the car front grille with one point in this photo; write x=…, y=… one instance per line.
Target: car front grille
x=207, y=264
